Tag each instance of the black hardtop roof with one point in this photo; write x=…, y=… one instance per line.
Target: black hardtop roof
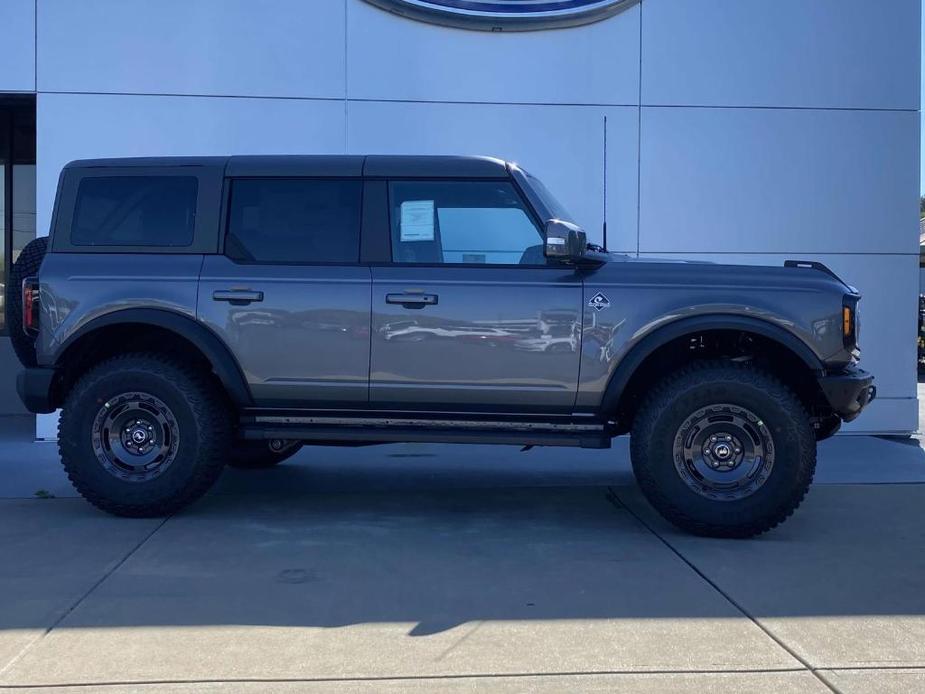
x=374, y=165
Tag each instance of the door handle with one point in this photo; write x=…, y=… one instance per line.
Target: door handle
x=237, y=297
x=412, y=300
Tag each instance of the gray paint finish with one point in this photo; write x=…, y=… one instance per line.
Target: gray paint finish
x=646, y=295
x=78, y=288
x=511, y=339
x=306, y=343
x=502, y=337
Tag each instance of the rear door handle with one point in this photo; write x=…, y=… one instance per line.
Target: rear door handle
x=237, y=297
x=412, y=300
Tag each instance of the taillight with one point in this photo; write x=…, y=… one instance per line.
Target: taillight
x=30, y=305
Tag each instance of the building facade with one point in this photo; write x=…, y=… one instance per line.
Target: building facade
x=741, y=131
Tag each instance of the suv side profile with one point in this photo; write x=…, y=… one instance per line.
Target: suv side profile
x=188, y=313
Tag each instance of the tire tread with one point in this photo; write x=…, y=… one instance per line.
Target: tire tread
x=209, y=412
x=700, y=373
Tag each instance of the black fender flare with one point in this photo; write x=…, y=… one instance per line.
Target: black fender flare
x=661, y=336
x=223, y=362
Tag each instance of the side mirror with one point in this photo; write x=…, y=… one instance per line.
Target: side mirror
x=564, y=240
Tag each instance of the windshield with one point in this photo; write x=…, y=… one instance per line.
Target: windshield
x=549, y=201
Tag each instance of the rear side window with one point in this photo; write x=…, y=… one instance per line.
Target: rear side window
x=135, y=211
x=295, y=221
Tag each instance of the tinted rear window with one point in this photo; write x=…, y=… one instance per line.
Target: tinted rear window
x=295, y=221
x=135, y=211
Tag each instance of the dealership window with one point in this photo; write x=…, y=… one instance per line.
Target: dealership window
x=295, y=221
x=468, y=222
x=17, y=184
x=135, y=211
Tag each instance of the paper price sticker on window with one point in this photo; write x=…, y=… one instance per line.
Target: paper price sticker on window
x=417, y=220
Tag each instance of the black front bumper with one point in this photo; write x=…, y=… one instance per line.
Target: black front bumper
x=848, y=392
x=35, y=386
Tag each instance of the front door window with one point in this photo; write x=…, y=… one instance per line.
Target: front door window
x=462, y=222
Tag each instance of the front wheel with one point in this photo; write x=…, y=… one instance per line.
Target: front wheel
x=143, y=435
x=723, y=450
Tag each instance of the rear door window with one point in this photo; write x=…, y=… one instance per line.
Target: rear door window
x=295, y=221
x=135, y=211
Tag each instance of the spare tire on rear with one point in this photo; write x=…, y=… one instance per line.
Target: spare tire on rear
x=26, y=265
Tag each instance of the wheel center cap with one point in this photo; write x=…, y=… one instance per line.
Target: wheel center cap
x=139, y=436
x=722, y=452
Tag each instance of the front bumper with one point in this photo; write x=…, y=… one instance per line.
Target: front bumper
x=848, y=392
x=35, y=388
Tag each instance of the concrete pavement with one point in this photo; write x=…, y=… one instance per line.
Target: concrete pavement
x=436, y=568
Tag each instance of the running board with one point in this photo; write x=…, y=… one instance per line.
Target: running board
x=403, y=430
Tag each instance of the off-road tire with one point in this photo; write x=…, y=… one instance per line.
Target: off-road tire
x=26, y=265
x=700, y=385
x=203, y=424
x=256, y=455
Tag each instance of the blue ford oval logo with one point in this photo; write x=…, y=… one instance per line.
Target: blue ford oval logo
x=506, y=15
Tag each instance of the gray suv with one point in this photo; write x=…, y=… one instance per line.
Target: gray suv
x=188, y=313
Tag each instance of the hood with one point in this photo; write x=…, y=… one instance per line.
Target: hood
x=793, y=273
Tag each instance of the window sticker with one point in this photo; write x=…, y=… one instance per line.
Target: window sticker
x=417, y=220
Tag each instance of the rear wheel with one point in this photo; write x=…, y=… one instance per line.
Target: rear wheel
x=723, y=450
x=26, y=265
x=255, y=455
x=143, y=435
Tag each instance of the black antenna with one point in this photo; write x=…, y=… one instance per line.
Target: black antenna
x=605, y=184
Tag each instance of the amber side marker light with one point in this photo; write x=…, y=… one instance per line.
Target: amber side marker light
x=849, y=322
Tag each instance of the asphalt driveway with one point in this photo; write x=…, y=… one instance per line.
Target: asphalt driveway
x=436, y=568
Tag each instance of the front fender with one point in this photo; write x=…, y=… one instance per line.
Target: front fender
x=645, y=345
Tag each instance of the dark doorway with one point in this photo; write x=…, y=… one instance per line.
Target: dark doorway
x=17, y=176
x=17, y=217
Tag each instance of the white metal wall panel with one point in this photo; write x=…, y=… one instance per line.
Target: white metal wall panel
x=392, y=58
x=782, y=181
x=17, y=46
x=782, y=53
x=288, y=48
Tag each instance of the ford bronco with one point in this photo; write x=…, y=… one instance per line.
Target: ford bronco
x=188, y=313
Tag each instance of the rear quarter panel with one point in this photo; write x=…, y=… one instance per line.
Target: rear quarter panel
x=77, y=288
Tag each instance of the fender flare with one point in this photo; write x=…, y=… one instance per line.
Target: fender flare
x=661, y=336
x=223, y=362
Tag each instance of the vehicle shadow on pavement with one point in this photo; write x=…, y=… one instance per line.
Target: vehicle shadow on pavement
x=421, y=566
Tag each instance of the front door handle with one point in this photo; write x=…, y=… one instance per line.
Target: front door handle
x=237, y=297
x=412, y=300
